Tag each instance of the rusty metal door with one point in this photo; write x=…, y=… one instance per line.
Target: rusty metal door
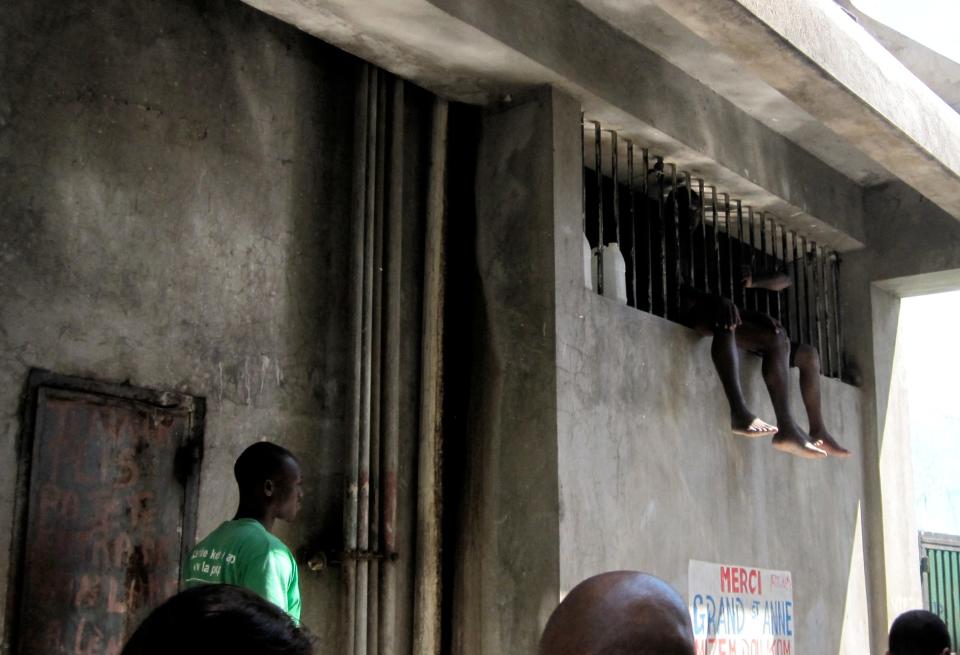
x=108, y=492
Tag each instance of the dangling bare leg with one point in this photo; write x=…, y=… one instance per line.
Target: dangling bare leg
x=764, y=335
x=807, y=359
x=726, y=359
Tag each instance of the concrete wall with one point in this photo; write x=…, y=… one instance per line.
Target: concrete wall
x=650, y=476
x=174, y=204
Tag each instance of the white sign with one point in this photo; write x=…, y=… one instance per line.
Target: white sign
x=741, y=610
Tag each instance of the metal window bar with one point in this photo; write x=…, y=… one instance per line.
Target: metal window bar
x=815, y=338
x=837, y=308
x=753, y=296
x=826, y=356
x=614, y=171
x=784, y=296
x=761, y=296
x=598, y=145
x=674, y=312
x=736, y=266
x=729, y=266
x=583, y=175
x=633, y=224
x=703, y=235
x=716, y=238
x=662, y=238
x=645, y=194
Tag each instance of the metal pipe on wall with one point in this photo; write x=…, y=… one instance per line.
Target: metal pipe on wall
x=366, y=384
x=427, y=591
x=373, y=585
x=391, y=374
x=355, y=320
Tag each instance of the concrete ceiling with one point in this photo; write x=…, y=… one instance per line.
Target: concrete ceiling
x=777, y=65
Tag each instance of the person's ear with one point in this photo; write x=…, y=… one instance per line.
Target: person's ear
x=268, y=488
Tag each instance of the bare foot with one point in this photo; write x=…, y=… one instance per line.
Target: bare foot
x=825, y=442
x=794, y=442
x=754, y=428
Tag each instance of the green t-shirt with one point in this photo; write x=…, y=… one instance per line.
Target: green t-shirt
x=242, y=552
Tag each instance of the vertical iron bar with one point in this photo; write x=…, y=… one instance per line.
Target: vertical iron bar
x=812, y=261
x=673, y=266
x=726, y=220
x=633, y=222
x=645, y=194
x=662, y=238
x=763, y=262
x=583, y=175
x=837, y=318
x=614, y=174
x=735, y=275
x=688, y=228
x=806, y=293
x=716, y=239
x=753, y=250
x=798, y=335
x=598, y=138
x=703, y=235
x=783, y=297
x=773, y=255
x=826, y=355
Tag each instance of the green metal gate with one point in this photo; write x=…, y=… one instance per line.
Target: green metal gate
x=940, y=571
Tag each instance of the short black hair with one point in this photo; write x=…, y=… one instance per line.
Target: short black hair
x=918, y=632
x=261, y=461
x=218, y=618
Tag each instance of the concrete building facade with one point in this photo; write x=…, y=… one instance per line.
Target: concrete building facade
x=356, y=229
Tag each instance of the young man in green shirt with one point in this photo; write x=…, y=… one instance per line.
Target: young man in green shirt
x=243, y=551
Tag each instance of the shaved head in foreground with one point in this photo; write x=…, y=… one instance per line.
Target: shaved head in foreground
x=619, y=613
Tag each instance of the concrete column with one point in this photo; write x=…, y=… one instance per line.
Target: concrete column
x=507, y=579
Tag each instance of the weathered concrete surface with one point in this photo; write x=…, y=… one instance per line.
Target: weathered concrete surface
x=658, y=30
x=940, y=73
x=650, y=477
x=915, y=249
x=484, y=51
x=818, y=57
x=507, y=582
x=571, y=40
x=172, y=196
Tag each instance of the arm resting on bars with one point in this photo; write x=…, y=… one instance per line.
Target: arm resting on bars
x=770, y=280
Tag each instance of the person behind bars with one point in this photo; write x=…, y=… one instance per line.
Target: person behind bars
x=733, y=329
x=244, y=551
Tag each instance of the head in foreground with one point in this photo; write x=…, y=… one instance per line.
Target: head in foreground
x=919, y=632
x=619, y=613
x=218, y=619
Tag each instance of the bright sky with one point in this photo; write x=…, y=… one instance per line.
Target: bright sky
x=928, y=334
x=933, y=23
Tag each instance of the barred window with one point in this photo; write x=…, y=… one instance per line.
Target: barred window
x=662, y=229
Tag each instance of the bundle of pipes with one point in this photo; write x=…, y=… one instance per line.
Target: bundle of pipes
x=370, y=557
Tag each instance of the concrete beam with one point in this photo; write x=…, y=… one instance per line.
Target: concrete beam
x=854, y=86
x=592, y=55
x=482, y=51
